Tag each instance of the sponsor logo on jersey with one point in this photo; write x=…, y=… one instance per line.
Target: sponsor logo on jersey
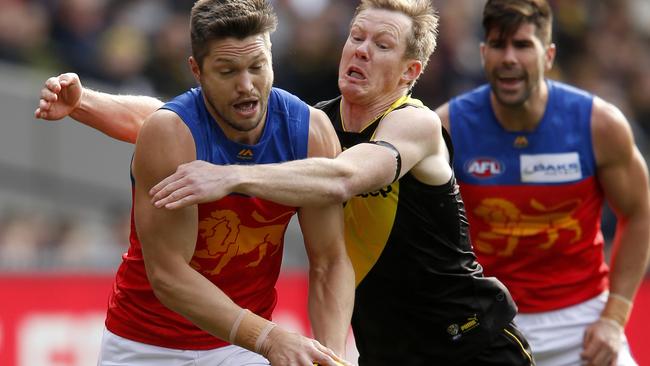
x=484, y=168
x=520, y=142
x=380, y=192
x=245, y=154
x=550, y=168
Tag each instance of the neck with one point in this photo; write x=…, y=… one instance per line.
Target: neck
x=359, y=114
x=525, y=116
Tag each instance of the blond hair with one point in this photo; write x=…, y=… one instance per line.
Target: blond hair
x=422, y=41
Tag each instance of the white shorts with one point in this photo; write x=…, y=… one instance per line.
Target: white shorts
x=555, y=337
x=119, y=351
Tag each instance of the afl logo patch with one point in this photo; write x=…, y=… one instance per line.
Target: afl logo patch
x=484, y=168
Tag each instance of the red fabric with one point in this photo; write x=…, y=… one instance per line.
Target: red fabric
x=542, y=241
x=238, y=248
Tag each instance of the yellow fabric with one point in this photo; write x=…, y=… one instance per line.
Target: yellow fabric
x=369, y=217
x=368, y=223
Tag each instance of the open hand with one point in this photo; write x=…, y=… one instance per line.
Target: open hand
x=192, y=183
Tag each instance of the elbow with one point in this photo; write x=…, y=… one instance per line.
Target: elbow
x=340, y=192
x=333, y=182
x=164, y=285
x=344, y=187
x=334, y=262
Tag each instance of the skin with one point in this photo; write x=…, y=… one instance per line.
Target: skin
x=515, y=69
x=373, y=73
x=236, y=78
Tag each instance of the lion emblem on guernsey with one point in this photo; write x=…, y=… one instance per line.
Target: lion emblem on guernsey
x=506, y=221
x=226, y=238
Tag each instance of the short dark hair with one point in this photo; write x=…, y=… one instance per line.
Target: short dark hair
x=218, y=19
x=508, y=15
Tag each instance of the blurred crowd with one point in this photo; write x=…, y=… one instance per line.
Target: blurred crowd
x=141, y=47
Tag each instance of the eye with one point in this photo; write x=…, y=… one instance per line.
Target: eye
x=522, y=44
x=382, y=46
x=356, y=38
x=496, y=44
x=225, y=72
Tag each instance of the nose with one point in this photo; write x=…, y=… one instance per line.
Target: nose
x=362, y=50
x=244, y=83
x=509, y=55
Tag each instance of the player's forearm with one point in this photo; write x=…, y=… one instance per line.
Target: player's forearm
x=118, y=116
x=629, y=262
x=331, y=299
x=309, y=182
x=186, y=292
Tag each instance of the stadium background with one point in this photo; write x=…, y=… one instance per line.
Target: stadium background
x=64, y=188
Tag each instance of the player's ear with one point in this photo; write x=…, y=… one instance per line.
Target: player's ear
x=195, y=68
x=412, y=71
x=549, y=56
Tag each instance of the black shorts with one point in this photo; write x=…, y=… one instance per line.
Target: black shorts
x=510, y=348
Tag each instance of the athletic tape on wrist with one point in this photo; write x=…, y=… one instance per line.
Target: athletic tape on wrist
x=612, y=322
x=263, y=335
x=621, y=298
x=236, y=324
x=618, y=308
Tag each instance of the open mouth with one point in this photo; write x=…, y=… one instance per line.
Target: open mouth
x=246, y=107
x=509, y=81
x=355, y=73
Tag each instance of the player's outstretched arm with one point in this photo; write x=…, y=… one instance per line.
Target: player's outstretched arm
x=315, y=181
x=623, y=174
x=118, y=116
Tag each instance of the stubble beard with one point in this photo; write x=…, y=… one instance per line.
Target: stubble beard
x=234, y=125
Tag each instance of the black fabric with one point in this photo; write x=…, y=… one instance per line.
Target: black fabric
x=425, y=300
x=398, y=157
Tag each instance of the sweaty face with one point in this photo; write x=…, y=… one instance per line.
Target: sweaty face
x=372, y=61
x=236, y=78
x=515, y=65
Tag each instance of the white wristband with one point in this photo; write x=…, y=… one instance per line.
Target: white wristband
x=612, y=322
x=235, y=326
x=262, y=337
x=621, y=298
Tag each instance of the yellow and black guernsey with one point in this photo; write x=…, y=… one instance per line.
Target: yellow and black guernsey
x=421, y=297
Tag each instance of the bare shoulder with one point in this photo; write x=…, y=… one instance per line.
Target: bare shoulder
x=319, y=120
x=163, y=143
x=162, y=124
x=322, y=136
x=414, y=118
x=611, y=133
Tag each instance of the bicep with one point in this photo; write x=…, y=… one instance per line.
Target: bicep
x=167, y=236
x=414, y=132
x=621, y=169
x=625, y=183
